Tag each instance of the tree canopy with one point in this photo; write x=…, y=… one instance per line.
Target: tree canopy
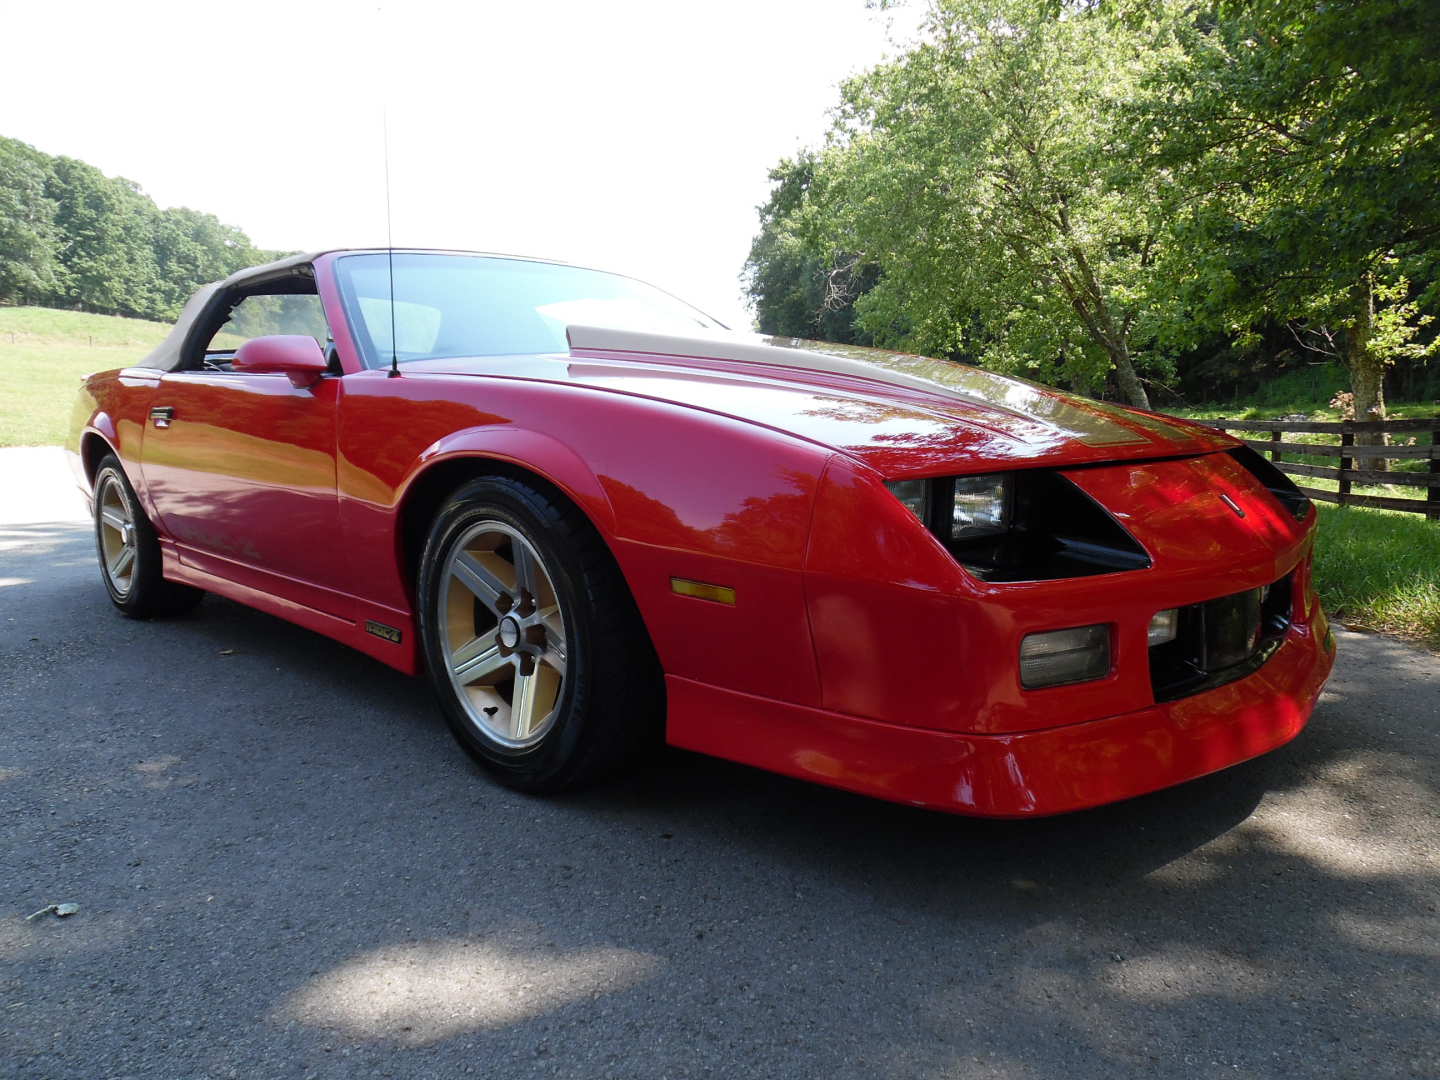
x=1083, y=191
x=796, y=292
x=72, y=237
x=1303, y=144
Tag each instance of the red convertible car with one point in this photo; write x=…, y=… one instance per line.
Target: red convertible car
x=597, y=519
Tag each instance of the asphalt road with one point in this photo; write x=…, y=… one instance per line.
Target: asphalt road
x=286, y=869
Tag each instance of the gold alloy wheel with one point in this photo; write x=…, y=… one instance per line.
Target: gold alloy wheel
x=504, y=635
x=117, y=535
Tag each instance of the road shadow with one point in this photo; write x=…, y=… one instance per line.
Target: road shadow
x=288, y=825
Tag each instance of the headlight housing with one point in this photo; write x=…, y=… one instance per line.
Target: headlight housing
x=980, y=506
x=914, y=495
x=959, y=508
x=1030, y=525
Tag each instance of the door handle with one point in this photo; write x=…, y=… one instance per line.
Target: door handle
x=162, y=415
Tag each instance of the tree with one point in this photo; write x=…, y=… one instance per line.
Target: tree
x=1303, y=140
x=980, y=172
x=795, y=292
x=106, y=252
x=191, y=249
x=28, y=235
x=72, y=237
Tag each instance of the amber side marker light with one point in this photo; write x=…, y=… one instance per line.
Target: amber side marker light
x=720, y=594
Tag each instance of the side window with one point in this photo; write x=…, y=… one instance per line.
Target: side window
x=259, y=315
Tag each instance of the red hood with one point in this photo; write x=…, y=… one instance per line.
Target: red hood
x=901, y=414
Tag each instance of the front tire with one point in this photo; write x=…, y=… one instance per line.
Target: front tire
x=532, y=641
x=129, y=551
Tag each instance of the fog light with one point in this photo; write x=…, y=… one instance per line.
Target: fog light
x=1164, y=626
x=1057, y=657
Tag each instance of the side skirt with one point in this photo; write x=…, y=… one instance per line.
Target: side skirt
x=267, y=592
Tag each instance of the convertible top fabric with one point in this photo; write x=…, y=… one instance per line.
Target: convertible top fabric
x=166, y=356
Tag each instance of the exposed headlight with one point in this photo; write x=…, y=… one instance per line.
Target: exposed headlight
x=1026, y=525
x=1164, y=626
x=915, y=494
x=978, y=506
x=981, y=506
x=1057, y=657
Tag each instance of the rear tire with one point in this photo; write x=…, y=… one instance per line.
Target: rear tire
x=542, y=665
x=129, y=551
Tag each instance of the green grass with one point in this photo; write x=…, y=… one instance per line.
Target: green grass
x=1394, y=410
x=1376, y=569
x=44, y=353
x=1379, y=570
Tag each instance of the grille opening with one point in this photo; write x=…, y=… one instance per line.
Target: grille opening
x=1275, y=481
x=1221, y=640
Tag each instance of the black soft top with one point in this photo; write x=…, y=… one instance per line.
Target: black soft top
x=207, y=298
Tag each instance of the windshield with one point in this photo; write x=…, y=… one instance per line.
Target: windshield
x=473, y=305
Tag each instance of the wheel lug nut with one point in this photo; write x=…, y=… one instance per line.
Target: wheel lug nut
x=527, y=664
x=535, y=635
x=504, y=603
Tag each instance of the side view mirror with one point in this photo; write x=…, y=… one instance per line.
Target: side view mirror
x=294, y=355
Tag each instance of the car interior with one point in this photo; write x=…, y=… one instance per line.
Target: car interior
x=283, y=305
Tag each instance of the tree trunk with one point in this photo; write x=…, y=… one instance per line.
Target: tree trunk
x=1130, y=384
x=1367, y=374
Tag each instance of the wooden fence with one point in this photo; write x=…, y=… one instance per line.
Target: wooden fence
x=1346, y=450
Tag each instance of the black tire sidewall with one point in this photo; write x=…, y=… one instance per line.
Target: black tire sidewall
x=519, y=506
x=150, y=594
x=133, y=601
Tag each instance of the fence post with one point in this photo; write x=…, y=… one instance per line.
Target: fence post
x=1275, y=449
x=1347, y=438
x=1432, y=497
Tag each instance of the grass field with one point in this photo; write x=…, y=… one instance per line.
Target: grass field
x=45, y=353
x=1378, y=570
x=1375, y=568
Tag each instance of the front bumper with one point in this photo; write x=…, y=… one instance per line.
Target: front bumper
x=1027, y=774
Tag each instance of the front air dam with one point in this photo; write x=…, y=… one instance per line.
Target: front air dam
x=1030, y=774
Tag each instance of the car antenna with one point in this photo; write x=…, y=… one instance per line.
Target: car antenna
x=389, y=243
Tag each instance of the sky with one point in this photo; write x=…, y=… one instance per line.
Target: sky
x=630, y=135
